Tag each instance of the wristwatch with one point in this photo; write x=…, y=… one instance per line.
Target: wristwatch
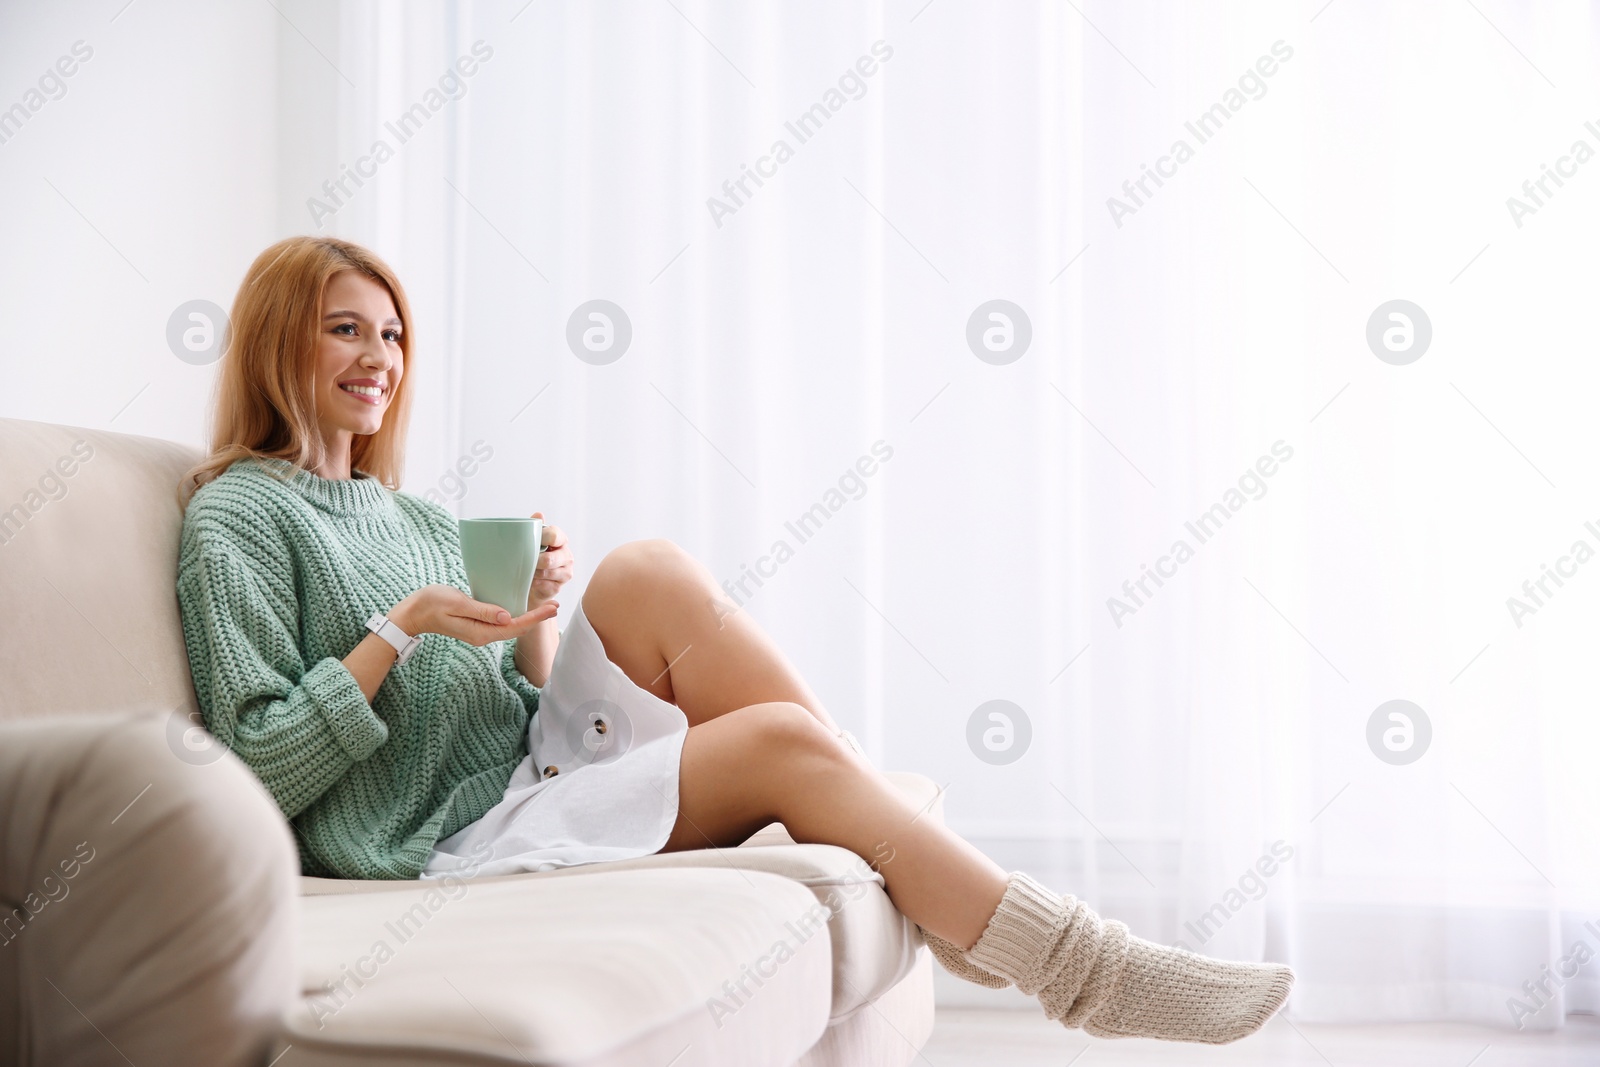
x=403, y=642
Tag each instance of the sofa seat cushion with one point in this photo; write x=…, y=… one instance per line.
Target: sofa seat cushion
x=874, y=946
x=681, y=966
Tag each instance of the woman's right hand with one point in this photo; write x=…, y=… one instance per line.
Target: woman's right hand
x=444, y=609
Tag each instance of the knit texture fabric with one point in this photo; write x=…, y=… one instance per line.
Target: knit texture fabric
x=954, y=959
x=278, y=571
x=1178, y=995
x=1091, y=972
x=1053, y=948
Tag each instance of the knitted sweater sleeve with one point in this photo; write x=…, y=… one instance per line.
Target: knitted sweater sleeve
x=299, y=727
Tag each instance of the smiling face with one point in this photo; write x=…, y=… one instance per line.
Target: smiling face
x=359, y=361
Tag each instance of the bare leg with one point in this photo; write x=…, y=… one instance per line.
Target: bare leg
x=664, y=620
x=775, y=762
x=761, y=747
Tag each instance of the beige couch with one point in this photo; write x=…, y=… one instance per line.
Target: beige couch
x=151, y=909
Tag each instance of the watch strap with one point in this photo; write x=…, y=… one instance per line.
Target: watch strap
x=403, y=643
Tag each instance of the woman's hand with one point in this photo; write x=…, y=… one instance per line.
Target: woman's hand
x=554, y=568
x=444, y=609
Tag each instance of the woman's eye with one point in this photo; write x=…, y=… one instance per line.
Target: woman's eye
x=392, y=335
x=342, y=325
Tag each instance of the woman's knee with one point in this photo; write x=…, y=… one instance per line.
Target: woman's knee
x=783, y=734
x=639, y=565
x=745, y=769
x=653, y=555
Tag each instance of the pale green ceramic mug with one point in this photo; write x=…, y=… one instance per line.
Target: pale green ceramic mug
x=500, y=556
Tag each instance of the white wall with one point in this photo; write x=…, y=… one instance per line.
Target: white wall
x=152, y=181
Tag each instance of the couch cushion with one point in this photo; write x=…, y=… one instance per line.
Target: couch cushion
x=680, y=966
x=89, y=526
x=147, y=903
x=874, y=946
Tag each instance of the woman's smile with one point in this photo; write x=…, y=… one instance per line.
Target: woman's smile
x=366, y=390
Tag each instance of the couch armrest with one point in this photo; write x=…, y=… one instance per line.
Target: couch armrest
x=147, y=897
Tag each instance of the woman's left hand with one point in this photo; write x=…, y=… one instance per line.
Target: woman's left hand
x=555, y=565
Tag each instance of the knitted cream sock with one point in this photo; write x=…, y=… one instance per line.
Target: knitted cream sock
x=1090, y=972
x=953, y=959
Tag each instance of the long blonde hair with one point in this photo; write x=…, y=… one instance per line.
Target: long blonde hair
x=265, y=400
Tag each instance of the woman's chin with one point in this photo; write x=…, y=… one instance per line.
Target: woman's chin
x=362, y=427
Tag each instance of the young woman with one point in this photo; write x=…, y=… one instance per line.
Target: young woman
x=304, y=571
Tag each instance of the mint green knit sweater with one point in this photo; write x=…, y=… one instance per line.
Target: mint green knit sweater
x=276, y=580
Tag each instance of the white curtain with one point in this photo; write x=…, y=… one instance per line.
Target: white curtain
x=1194, y=758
